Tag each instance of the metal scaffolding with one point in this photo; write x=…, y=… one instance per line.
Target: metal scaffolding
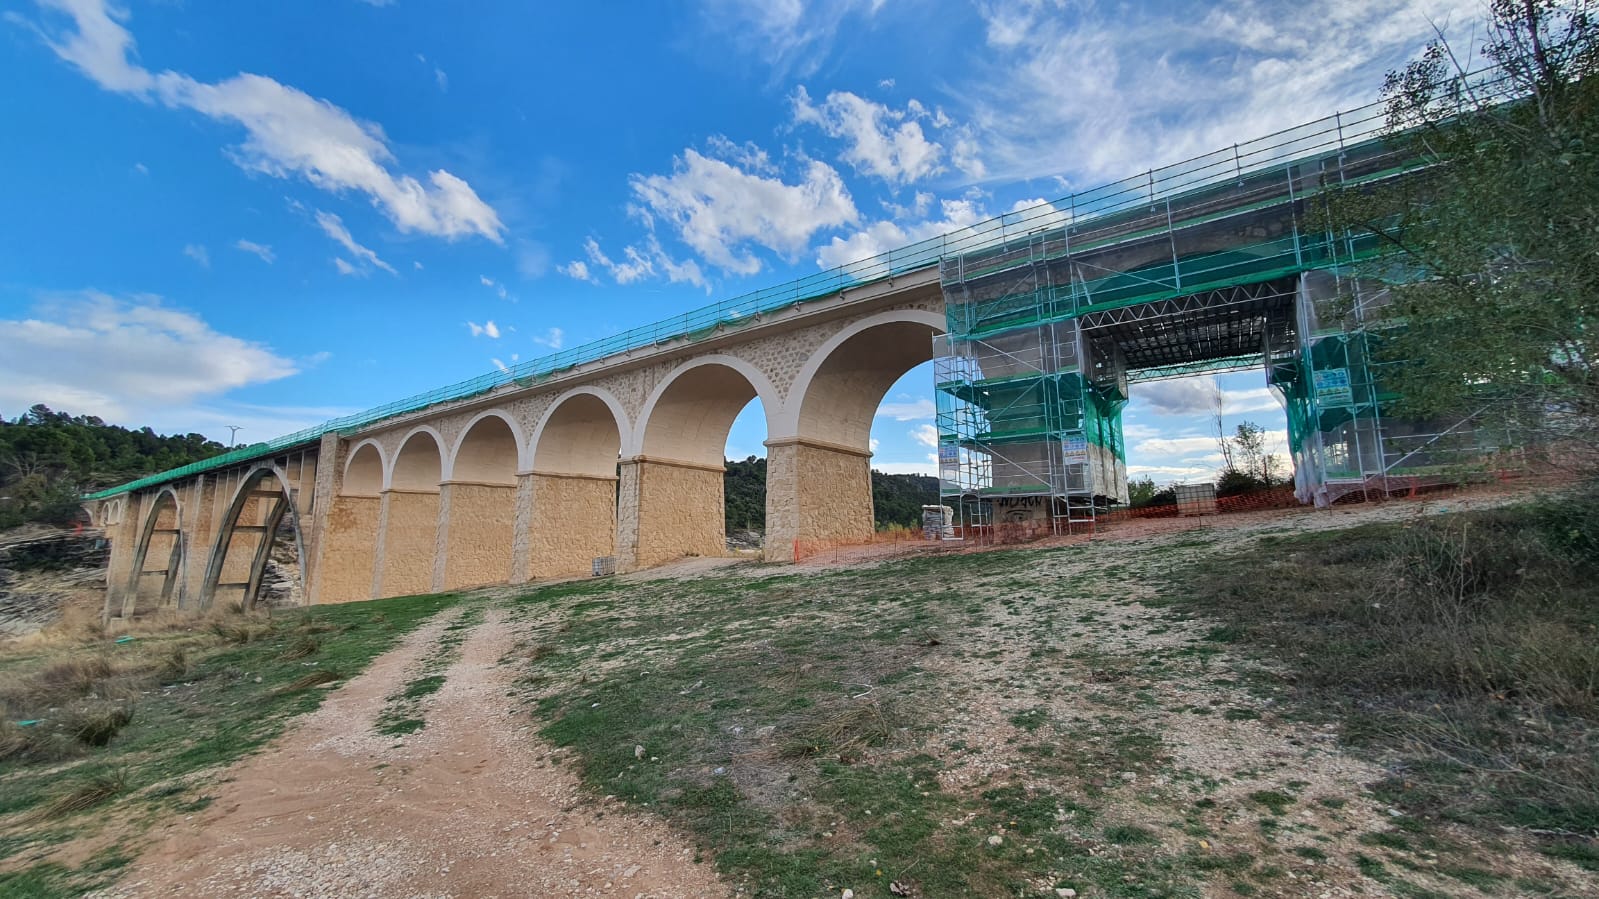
x=1137, y=281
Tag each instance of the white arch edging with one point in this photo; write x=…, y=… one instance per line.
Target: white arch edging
x=764, y=391
x=439, y=443
x=383, y=463
x=447, y=463
x=624, y=426
x=784, y=422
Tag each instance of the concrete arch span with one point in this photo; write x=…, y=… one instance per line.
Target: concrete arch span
x=478, y=503
x=347, y=569
x=819, y=480
x=573, y=483
x=671, y=492
x=160, y=544
x=260, y=508
x=409, y=516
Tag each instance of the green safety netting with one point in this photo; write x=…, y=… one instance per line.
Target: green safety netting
x=1118, y=211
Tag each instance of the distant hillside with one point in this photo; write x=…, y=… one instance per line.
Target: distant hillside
x=49, y=458
x=896, y=498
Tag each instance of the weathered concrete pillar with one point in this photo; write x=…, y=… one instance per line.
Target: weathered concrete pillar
x=669, y=508
x=410, y=533
x=815, y=491
x=479, y=522
x=199, y=534
x=123, y=532
x=573, y=522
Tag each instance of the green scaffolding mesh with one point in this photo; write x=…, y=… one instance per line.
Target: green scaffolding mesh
x=1089, y=253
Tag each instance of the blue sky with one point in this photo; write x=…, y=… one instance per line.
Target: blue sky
x=266, y=214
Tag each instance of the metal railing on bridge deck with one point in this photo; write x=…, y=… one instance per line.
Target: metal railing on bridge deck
x=1329, y=135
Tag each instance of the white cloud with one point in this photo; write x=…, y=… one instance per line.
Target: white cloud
x=346, y=268
x=1183, y=396
x=441, y=79
x=872, y=444
x=553, y=338
x=500, y=365
x=637, y=264
x=790, y=36
x=134, y=360
x=261, y=250
x=1178, y=446
x=1101, y=90
x=879, y=141
x=287, y=132
x=497, y=287
x=911, y=410
x=1198, y=396
x=719, y=209
x=880, y=237
x=333, y=226
x=927, y=435
x=577, y=269
x=487, y=329
x=198, y=253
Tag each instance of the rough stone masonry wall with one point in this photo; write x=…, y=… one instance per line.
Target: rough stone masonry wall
x=816, y=492
x=481, y=529
x=349, y=549
x=680, y=512
x=409, y=534
x=573, y=523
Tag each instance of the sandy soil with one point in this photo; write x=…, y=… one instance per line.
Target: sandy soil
x=471, y=805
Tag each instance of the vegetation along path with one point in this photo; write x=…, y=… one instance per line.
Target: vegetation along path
x=1393, y=700
x=416, y=780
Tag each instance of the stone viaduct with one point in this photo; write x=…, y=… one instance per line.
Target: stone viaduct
x=620, y=457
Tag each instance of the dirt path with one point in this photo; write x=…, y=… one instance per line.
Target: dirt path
x=471, y=805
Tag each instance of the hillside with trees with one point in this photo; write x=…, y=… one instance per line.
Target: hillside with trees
x=48, y=459
x=897, y=499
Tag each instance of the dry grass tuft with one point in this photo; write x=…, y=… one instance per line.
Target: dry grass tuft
x=306, y=682
x=84, y=793
x=843, y=732
x=34, y=744
x=301, y=648
x=96, y=723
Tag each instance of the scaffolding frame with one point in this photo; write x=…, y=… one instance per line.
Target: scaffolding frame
x=1158, y=205
x=1224, y=275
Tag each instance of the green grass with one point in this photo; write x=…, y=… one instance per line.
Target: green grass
x=1463, y=646
x=237, y=690
x=402, y=711
x=794, y=743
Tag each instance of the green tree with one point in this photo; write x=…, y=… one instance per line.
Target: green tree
x=49, y=458
x=1501, y=229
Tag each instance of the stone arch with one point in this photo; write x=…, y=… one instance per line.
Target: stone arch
x=410, y=515
x=837, y=391
x=163, y=530
x=414, y=467
x=573, y=479
x=489, y=439
x=672, y=501
x=261, y=506
x=350, y=536
x=688, y=414
x=477, y=511
x=365, y=469
x=585, y=428
x=819, y=477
